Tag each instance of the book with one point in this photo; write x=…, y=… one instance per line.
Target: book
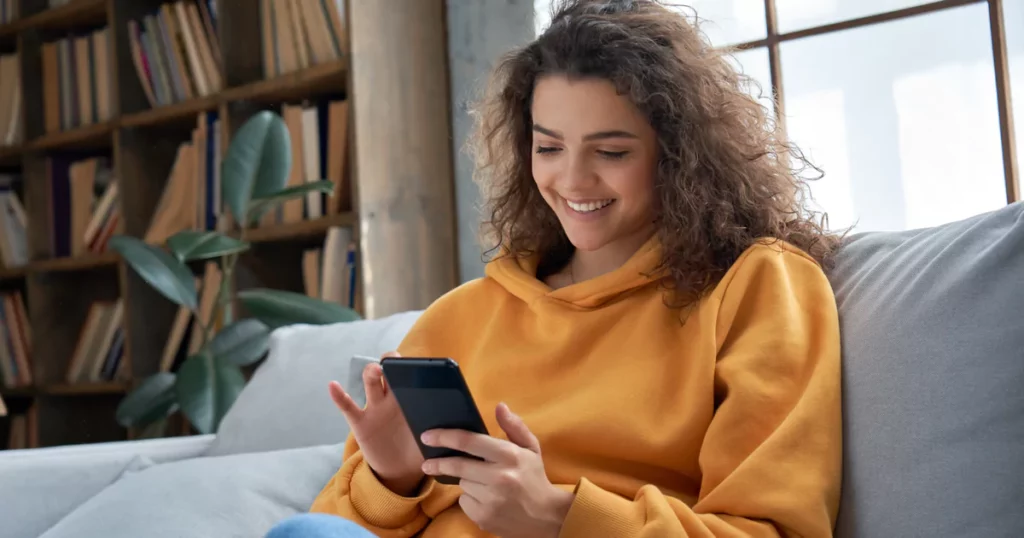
x=77, y=81
x=297, y=34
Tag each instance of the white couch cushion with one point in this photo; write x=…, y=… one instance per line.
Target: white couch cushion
x=286, y=404
x=208, y=497
x=40, y=486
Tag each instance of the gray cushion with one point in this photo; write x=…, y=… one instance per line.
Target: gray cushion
x=241, y=495
x=286, y=404
x=933, y=367
x=34, y=495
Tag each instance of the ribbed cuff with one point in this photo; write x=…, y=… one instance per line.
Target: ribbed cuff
x=378, y=505
x=596, y=512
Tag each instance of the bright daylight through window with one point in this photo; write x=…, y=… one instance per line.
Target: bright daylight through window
x=895, y=100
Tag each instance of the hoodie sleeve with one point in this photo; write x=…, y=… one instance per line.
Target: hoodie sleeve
x=356, y=494
x=771, y=458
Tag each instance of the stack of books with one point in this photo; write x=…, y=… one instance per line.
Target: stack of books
x=191, y=197
x=100, y=347
x=15, y=341
x=83, y=202
x=12, y=129
x=8, y=11
x=329, y=273
x=77, y=81
x=319, y=136
x=176, y=52
x=301, y=33
x=13, y=224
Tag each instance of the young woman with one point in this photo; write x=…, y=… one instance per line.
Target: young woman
x=655, y=345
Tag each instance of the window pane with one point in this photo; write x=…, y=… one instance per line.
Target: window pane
x=754, y=64
x=1013, y=14
x=728, y=22
x=798, y=14
x=541, y=15
x=902, y=117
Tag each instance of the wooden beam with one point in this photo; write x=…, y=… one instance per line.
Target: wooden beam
x=858, y=22
x=403, y=153
x=774, y=61
x=1004, y=99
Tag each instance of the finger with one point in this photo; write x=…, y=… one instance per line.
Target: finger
x=482, y=446
x=481, y=472
x=517, y=430
x=372, y=382
x=481, y=493
x=345, y=403
x=473, y=508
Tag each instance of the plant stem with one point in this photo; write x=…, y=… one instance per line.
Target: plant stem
x=224, y=293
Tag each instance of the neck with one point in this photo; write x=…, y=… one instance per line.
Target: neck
x=588, y=264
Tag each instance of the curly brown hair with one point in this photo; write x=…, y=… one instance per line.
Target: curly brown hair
x=724, y=177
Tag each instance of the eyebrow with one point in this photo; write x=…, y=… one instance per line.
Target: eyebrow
x=601, y=135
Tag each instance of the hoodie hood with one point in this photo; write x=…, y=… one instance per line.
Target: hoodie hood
x=518, y=275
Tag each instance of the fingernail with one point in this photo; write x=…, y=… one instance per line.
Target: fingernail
x=428, y=467
x=428, y=437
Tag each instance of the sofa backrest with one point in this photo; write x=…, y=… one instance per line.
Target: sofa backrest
x=286, y=404
x=932, y=335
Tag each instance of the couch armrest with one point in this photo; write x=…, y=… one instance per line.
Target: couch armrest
x=39, y=487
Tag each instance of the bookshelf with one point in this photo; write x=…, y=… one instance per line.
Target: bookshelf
x=397, y=178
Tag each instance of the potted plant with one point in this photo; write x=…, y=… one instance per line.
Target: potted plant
x=253, y=178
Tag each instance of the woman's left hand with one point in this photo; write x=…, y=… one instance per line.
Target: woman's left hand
x=508, y=494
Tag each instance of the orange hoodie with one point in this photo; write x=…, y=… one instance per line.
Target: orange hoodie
x=725, y=423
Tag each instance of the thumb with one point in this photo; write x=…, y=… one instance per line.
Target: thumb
x=516, y=429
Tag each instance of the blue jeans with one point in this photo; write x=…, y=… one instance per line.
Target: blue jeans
x=317, y=526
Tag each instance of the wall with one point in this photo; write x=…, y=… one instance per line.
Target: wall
x=479, y=31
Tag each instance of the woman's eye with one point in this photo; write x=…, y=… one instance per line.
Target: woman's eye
x=546, y=149
x=613, y=154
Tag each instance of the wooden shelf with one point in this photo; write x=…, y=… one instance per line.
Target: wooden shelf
x=183, y=111
x=97, y=135
x=323, y=78
x=75, y=14
x=295, y=230
x=88, y=261
x=18, y=392
x=9, y=30
x=10, y=273
x=85, y=389
x=10, y=155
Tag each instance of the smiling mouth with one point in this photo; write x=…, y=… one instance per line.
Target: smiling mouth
x=589, y=206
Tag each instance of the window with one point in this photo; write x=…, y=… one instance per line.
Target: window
x=896, y=101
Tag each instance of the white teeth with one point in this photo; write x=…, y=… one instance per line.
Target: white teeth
x=587, y=207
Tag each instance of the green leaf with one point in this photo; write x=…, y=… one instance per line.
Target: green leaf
x=260, y=205
x=192, y=245
x=241, y=343
x=159, y=269
x=206, y=389
x=277, y=308
x=257, y=163
x=150, y=402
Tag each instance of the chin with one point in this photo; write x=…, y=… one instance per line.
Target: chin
x=587, y=242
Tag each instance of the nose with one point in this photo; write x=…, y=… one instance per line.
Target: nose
x=578, y=175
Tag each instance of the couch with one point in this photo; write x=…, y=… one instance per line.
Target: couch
x=933, y=395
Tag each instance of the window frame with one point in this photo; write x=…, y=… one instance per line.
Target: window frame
x=997, y=29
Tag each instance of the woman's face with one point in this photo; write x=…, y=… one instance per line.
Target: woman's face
x=594, y=161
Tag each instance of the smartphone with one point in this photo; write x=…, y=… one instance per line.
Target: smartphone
x=433, y=394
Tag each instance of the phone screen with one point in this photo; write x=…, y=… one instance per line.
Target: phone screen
x=433, y=394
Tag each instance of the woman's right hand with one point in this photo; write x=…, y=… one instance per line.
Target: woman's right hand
x=383, y=434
